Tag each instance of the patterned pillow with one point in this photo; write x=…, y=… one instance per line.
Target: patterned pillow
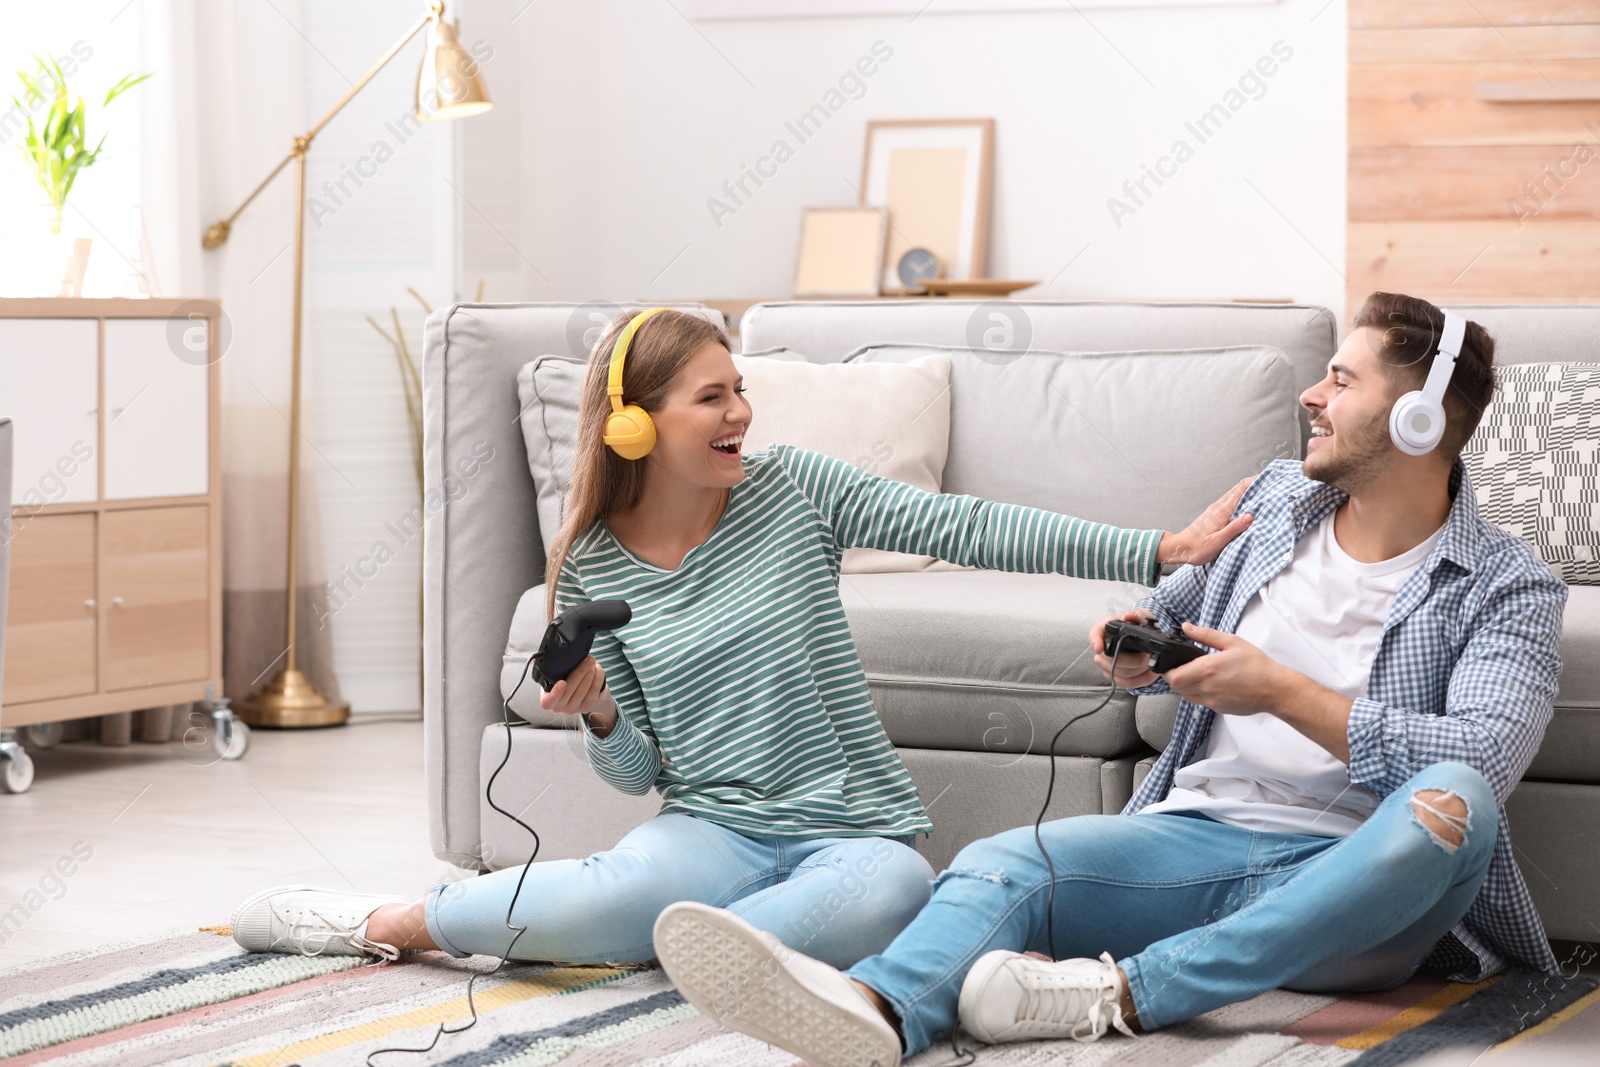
x=1535, y=463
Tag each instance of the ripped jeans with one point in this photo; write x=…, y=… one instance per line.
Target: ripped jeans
x=1200, y=913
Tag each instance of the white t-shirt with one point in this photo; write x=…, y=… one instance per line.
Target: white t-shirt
x=1321, y=615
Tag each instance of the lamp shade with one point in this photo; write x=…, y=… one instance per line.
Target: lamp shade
x=449, y=85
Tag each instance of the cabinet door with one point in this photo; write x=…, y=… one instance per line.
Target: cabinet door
x=157, y=437
x=155, y=586
x=50, y=386
x=50, y=621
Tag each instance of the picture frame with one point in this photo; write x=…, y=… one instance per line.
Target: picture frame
x=934, y=179
x=841, y=251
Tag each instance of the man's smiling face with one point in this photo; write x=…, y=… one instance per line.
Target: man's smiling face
x=1349, y=410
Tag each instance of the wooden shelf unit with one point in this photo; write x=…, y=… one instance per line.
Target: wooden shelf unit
x=116, y=521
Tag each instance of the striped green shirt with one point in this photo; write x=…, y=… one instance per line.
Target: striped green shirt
x=741, y=697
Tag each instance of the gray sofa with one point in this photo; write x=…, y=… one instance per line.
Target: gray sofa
x=972, y=671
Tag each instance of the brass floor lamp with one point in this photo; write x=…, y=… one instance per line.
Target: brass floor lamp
x=448, y=87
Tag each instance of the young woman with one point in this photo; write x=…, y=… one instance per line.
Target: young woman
x=735, y=691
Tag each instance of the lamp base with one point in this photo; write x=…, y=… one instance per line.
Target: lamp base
x=290, y=701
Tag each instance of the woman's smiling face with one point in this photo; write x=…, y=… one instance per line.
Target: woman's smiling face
x=702, y=421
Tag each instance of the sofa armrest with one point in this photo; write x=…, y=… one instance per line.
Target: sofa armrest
x=481, y=549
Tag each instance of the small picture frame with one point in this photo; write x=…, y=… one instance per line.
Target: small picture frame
x=841, y=251
x=933, y=177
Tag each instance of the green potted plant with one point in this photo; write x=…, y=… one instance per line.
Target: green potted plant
x=57, y=149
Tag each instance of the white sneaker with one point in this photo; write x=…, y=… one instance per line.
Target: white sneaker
x=751, y=982
x=1011, y=997
x=311, y=922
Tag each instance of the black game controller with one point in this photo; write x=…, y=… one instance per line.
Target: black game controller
x=568, y=637
x=1166, y=650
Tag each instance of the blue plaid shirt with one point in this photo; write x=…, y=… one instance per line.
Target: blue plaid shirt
x=1465, y=670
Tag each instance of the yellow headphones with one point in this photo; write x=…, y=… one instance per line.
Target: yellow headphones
x=629, y=431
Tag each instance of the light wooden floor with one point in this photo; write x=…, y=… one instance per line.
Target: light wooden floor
x=175, y=845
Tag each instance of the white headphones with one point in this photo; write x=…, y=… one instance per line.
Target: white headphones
x=1416, y=422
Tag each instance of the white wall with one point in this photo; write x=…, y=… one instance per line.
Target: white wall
x=368, y=238
x=631, y=117
x=616, y=121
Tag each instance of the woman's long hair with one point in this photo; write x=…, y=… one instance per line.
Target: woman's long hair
x=602, y=481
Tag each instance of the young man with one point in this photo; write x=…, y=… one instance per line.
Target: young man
x=1329, y=813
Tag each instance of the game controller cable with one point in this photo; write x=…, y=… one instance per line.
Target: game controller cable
x=964, y=1057
x=1166, y=652
x=566, y=642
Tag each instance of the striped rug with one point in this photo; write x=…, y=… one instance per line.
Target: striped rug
x=195, y=999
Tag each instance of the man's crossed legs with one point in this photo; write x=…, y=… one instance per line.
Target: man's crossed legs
x=1196, y=913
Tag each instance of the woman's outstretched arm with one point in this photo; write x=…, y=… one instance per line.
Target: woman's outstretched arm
x=866, y=511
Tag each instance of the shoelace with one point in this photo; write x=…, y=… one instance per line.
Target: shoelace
x=306, y=932
x=1056, y=1004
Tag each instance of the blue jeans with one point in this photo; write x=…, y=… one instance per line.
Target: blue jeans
x=834, y=898
x=1198, y=913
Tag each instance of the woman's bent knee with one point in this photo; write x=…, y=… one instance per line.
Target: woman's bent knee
x=907, y=879
x=895, y=876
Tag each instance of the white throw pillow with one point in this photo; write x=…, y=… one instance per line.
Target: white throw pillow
x=888, y=419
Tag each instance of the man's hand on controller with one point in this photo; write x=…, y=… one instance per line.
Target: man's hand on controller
x=1132, y=668
x=1204, y=539
x=1240, y=679
x=1237, y=679
x=583, y=693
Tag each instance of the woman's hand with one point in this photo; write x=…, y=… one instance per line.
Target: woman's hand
x=581, y=693
x=1132, y=668
x=1204, y=539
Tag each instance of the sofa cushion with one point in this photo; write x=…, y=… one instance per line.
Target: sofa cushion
x=1156, y=714
x=548, y=390
x=987, y=661
x=1112, y=436
x=1571, y=748
x=1536, y=333
x=1535, y=463
x=888, y=419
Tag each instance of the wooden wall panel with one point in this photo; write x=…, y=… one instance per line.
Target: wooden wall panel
x=1474, y=183
x=1381, y=14
x=1433, y=104
x=1481, y=43
x=1455, y=195
x=1546, y=257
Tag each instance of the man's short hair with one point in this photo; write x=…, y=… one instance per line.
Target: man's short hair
x=1411, y=328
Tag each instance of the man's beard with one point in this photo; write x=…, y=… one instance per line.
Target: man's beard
x=1361, y=454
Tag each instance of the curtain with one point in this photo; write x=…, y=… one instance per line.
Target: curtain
x=221, y=122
